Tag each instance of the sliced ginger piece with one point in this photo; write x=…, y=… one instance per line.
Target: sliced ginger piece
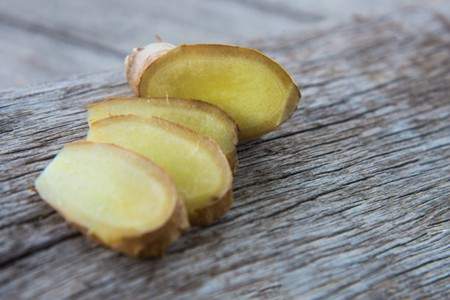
x=252, y=88
x=196, y=163
x=114, y=196
x=201, y=117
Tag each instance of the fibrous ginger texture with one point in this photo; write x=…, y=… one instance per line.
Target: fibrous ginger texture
x=248, y=85
x=197, y=165
x=198, y=116
x=114, y=196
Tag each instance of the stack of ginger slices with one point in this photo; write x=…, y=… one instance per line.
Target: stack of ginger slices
x=155, y=164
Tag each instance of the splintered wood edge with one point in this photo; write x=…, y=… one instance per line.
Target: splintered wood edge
x=219, y=204
x=151, y=243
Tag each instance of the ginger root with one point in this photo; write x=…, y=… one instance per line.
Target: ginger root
x=151, y=167
x=198, y=116
x=114, y=196
x=252, y=88
x=196, y=163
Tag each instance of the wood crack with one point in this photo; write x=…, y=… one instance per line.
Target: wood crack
x=29, y=220
x=34, y=250
x=348, y=199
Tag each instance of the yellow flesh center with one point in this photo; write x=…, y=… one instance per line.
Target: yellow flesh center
x=99, y=190
x=248, y=87
x=195, y=169
x=200, y=121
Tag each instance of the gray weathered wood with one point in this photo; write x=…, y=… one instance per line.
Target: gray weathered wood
x=32, y=57
x=106, y=29
x=47, y=39
x=349, y=199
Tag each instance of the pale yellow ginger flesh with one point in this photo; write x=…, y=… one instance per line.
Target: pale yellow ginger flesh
x=252, y=88
x=115, y=196
x=197, y=165
x=198, y=116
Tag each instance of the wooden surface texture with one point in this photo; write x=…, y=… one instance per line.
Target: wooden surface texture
x=348, y=200
x=47, y=40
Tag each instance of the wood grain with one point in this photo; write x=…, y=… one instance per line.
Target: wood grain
x=348, y=200
x=43, y=34
x=50, y=39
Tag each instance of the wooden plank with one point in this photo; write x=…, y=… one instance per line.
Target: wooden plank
x=175, y=21
x=348, y=200
x=47, y=39
x=32, y=57
x=55, y=36
x=332, y=11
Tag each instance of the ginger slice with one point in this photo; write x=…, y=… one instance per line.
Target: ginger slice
x=196, y=163
x=201, y=117
x=114, y=196
x=249, y=86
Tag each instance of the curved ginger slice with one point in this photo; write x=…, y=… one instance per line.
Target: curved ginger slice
x=201, y=117
x=115, y=196
x=251, y=87
x=196, y=163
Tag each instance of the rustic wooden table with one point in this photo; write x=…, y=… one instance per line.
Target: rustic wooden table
x=46, y=40
x=349, y=199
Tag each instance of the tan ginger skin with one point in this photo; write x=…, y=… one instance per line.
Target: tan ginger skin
x=140, y=58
